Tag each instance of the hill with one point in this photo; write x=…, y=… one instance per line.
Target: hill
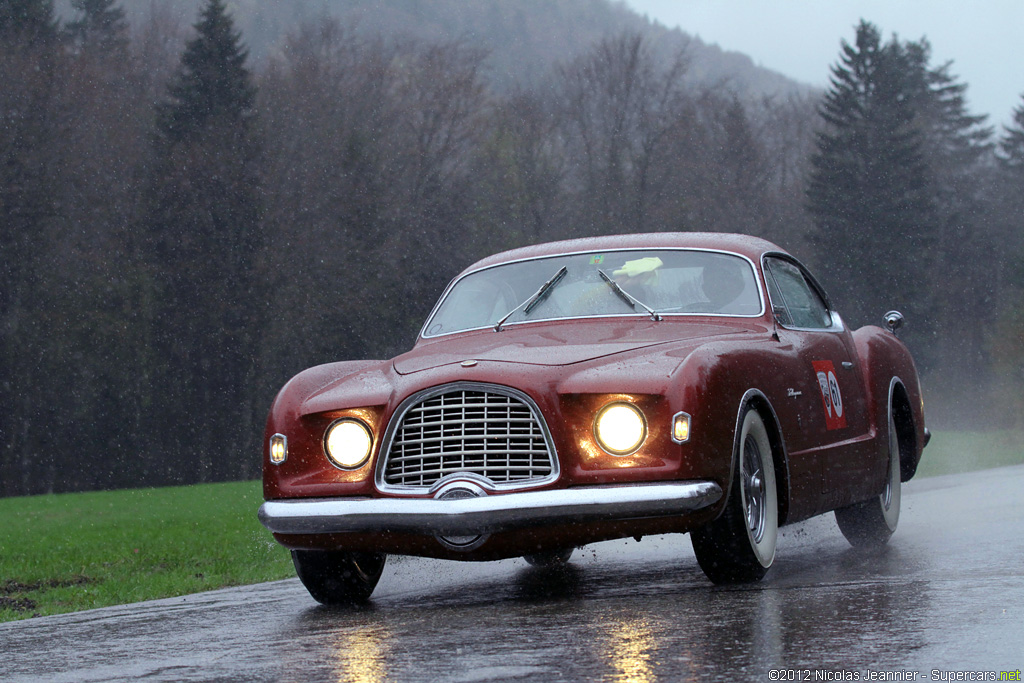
x=524, y=38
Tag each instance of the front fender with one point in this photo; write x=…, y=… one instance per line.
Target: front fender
x=297, y=412
x=717, y=382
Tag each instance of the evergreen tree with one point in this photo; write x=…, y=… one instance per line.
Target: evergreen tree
x=28, y=151
x=869, y=190
x=1010, y=192
x=205, y=233
x=102, y=27
x=30, y=21
x=109, y=118
x=957, y=153
x=1012, y=144
x=941, y=105
x=213, y=87
x=1006, y=342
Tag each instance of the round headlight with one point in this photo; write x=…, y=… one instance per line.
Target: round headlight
x=620, y=428
x=347, y=443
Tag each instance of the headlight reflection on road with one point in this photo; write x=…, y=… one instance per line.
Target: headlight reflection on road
x=630, y=646
x=360, y=655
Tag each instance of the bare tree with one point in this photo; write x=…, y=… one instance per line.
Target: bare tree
x=620, y=103
x=387, y=134
x=519, y=175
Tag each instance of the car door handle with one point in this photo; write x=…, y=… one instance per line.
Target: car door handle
x=847, y=365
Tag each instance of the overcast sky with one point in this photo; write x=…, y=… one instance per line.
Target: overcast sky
x=800, y=38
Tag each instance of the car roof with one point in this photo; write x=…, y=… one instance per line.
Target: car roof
x=746, y=245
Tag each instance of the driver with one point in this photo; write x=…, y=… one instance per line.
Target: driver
x=722, y=283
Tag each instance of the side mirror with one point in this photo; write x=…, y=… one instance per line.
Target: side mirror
x=893, y=321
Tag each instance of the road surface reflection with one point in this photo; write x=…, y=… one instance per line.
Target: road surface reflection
x=626, y=623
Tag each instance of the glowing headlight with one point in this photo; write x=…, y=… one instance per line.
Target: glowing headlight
x=620, y=428
x=347, y=443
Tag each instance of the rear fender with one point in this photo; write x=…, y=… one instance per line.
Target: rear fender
x=891, y=382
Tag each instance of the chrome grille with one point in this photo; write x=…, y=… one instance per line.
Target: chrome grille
x=494, y=435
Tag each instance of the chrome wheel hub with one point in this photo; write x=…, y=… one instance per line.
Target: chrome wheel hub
x=754, y=493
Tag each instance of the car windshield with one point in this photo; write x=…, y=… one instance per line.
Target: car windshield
x=667, y=281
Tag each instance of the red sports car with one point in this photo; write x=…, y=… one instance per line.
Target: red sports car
x=579, y=391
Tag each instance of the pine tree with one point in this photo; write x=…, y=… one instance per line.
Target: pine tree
x=869, y=191
x=1010, y=200
x=29, y=144
x=1006, y=341
x=956, y=143
x=940, y=99
x=957, y=153
x=213, y=87
x=205, y=234
x=1012, y=144
x=102, y=27
x=31, y=21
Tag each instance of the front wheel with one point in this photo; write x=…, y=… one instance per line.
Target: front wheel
x=870, y=524
x=338, y=578
x=550, y=558
x=739, y=546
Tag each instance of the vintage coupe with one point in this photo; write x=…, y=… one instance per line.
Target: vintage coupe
x=580, y=391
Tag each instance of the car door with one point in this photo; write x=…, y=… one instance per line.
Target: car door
x=828, y=398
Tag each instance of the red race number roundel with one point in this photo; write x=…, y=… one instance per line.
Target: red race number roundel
x=831, y=395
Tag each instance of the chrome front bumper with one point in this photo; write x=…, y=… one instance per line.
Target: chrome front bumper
x=486, y=514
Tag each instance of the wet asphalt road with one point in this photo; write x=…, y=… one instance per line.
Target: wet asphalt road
x=946, y=595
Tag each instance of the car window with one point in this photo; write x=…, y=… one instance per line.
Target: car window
x=795, y=300
x=671, y=282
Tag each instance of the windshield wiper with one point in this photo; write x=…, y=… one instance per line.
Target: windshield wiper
x=627, y=297
x=534, y=300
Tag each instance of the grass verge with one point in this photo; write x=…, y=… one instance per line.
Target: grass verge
x=953, y=452
x=69, y=552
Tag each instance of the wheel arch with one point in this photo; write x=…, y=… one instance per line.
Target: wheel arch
x=756, y=400
x=906, y=432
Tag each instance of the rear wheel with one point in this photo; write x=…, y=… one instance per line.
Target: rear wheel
x=871, y=523
x=739, y=546
x=338, y=578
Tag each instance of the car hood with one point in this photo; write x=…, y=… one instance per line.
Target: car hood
x=553, y=344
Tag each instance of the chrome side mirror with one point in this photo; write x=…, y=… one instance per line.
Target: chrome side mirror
x=893, y=321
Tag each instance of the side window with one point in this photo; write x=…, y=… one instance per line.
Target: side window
x=795, y=301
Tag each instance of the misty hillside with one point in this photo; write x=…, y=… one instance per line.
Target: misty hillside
x=523, y=38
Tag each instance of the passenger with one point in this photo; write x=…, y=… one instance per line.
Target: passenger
x=639, y=277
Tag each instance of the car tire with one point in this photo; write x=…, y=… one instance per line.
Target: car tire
x=338, y=578
x=739, y=546
x=871, y=523
x=551, y=558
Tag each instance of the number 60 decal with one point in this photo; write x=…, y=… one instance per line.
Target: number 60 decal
x=831, y=396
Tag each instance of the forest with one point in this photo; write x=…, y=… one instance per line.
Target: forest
x=182, y=229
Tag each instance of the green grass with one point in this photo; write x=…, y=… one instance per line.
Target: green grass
x=78, y=551
x=953, y=452
x=69, y=552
